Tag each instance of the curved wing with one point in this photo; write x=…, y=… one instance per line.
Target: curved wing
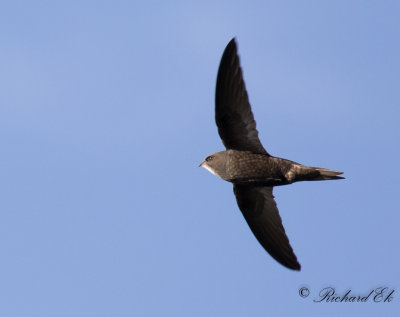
x=233, y=115
x=261, y=213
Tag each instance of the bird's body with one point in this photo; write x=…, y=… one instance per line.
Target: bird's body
x=247, y=168
x=246, y=163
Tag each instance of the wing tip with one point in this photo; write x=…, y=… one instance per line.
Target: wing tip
x=232, y=41
x=295, y=267
x=232, y=46
x=290, y=263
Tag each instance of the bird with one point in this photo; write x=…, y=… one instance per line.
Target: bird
x=249, y=167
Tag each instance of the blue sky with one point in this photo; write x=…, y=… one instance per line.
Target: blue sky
x=106, y=110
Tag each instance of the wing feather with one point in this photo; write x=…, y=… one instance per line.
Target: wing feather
x=233, y=115
x=259, y=208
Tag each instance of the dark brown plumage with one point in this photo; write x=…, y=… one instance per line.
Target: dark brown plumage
x=248, y=165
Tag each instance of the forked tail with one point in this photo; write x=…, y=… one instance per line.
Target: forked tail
x=320, y=174
x=308, y=173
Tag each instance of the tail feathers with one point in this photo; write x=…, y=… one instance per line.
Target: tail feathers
x=327, y=174
x=308, y=173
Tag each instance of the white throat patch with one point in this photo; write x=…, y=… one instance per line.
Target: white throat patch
x=208, y=168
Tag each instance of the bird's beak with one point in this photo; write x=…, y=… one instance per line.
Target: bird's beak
x=201, y=164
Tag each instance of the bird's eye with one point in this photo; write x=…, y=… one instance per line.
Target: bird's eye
x=209, y=158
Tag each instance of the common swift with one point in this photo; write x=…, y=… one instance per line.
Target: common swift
x=246, y=163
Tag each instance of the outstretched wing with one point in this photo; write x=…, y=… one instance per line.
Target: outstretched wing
x=233, y=115
x=261, y=213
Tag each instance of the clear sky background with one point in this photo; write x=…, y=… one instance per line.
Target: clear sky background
x=106, y=111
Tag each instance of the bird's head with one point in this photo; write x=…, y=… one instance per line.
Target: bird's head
x=215, y=163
